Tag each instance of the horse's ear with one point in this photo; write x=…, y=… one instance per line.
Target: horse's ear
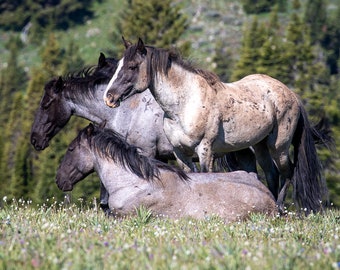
x=101, y=60
x=102, y=124
x=127, y=43
x=59, y=85
x=141, y=47
x=89, y=129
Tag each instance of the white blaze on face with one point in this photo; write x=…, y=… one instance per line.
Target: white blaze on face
x=114, y=77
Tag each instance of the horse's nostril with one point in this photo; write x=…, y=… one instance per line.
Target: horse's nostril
x=33, y=141
x=109, y=96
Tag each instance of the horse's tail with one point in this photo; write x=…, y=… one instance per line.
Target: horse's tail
x=322, y=133
x=310, y=187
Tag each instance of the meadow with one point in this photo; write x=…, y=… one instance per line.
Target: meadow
x=59, y=236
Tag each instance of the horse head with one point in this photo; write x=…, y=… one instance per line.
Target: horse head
x=106, y=66
x=76, y=164
x=132, y=75
x=54, y=112
x=51, y=116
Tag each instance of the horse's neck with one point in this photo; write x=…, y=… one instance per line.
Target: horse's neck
x=90, y=108
x=173, y=90
x=113, y=176
x=126, y=190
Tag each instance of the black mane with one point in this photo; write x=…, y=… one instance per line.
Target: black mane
x=84, y=82
x=111, y=145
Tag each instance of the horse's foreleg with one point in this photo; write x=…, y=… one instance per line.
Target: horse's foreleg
x=104, y=199
x=184, y=161
x=182, y=144
x=205, y=155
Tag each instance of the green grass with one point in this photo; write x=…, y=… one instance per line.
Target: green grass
x=71, y=237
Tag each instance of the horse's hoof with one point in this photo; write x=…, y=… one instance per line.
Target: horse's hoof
x=105, y=208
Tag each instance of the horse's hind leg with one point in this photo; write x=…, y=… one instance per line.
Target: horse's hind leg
x=246, y=160
x=239, y=160
x=268, y=166
x=286, y=168
x=184, y=162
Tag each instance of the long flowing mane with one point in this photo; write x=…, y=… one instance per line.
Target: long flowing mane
x=84, y=82
x=111, y=145
x=161, y=60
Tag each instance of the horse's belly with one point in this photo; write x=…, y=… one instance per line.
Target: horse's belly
x=242, y=132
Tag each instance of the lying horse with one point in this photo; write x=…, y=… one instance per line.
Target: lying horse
x=134, y=180
x=206, y=116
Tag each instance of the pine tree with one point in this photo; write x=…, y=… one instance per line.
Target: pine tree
x=330, y=41
x=253, y=39
x=270, y=59
x=12, y=133
x=260, y=6
x=12, y=85
x=315, y=17
x=12, y=80
x=64, y=13
x=308, y=75
x=223, y=61
x=71, y=59
x=298, y=50
x=51, y=55
x=159, y=23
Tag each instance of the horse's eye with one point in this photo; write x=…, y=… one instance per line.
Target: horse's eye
x=45, y=106
x=46, y=103
x=134, y=67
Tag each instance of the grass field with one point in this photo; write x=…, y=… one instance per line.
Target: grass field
x=82, y=237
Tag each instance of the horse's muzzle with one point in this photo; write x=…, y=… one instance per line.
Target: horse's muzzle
x=62, y=185
x=110, y=101
x=38, y=144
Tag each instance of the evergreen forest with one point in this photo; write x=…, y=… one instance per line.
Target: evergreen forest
x=294, y=41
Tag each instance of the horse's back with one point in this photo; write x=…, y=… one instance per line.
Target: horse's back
x=264, y=88
x=232, y=196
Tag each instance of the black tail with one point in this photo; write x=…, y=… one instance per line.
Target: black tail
x=322, y=134
x=310, y=188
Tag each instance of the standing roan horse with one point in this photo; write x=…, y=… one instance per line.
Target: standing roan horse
x=133, y=180
x=139, y=120
x=205, y=115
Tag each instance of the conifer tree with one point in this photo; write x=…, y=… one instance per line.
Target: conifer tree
x=223, y=61
x=12, y=133
x=271, y=60
x=51, y=55
x=330, y=41
x=316, y=18
x=71, y=59
x=12, y=85
x=158, y=23
x=12, y=79
x=252, y=41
